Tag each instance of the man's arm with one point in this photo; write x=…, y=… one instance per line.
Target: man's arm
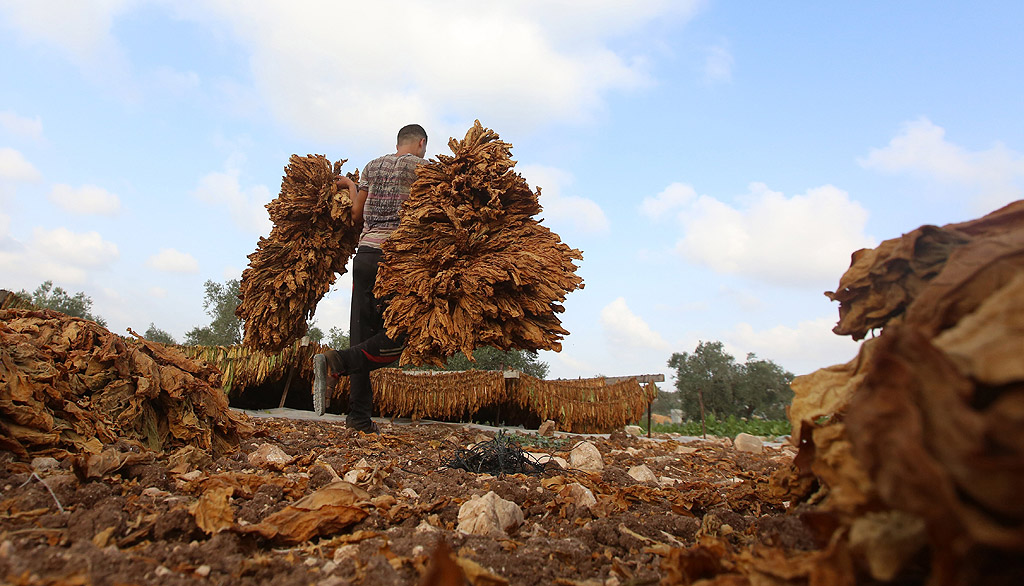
x=358, y=199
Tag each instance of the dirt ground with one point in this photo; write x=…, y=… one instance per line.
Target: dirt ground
x=185, y=518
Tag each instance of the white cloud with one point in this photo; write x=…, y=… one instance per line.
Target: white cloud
x=802, y=240
x=59, y=255
x=994, y=177
x=81, y=31
x=578, y=212
x=443, y=63
x=675, y=196
x=87, y=199
x=157, y=292
x=87, y=249
x=21, y=126
x=246, y=206
x=718, y=64
x=626, y=330
x=15, y=167
x=561, y=363
x=173, y=261
x=802, y=349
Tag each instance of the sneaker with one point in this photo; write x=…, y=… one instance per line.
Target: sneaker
x=319, y=384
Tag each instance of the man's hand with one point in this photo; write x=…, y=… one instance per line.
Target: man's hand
x=344, y=182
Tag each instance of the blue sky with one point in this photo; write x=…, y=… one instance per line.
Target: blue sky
x=716, y=162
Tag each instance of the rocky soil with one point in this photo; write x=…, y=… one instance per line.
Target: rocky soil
x=309, y=502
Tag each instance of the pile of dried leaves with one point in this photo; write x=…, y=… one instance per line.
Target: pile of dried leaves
x=69, y=386
x=920, y=438
x=469, y=266
x=312, y=239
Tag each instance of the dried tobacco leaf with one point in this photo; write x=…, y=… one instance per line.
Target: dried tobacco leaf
x=68, y=385
x=468, y=265
x=326, y=511
x=882, y=282
x=311, y=241
x=212, y=511
x=927, y=423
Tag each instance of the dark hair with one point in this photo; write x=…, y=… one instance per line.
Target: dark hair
x=411, y=132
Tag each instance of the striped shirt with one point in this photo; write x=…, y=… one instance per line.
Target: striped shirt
x=387, y=181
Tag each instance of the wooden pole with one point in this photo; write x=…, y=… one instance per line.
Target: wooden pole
x=287, y=385
x=648, y=420
x=703, y=426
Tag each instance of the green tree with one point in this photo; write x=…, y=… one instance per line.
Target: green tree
x=155, y=334
x=219, y=302
x=755, y=388
x=709, y=370
x=763, y=389
x=337, y=339
x=46, y=296
x=314, y=332
x=489, y=358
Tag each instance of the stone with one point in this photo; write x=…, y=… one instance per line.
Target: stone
x=547, y=429
x=489, y=515
x=745, y=442
x=668, y=482
x=347, y=551
x=685, y=450
x=425, y=527
x=585, y=456
x=203, y=571
x=269, y=455
x=410, y=494
x=642, y=473
x=45, y=465
x=633, y=430
x=578, y=495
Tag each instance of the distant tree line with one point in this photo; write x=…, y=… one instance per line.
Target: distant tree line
x=46, y=296
x=755, y=388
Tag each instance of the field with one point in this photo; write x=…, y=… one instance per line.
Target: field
x=183, y=518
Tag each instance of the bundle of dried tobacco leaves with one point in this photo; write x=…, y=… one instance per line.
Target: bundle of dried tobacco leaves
x=920, y=438
x=469, y=266
x=312, y=240
x=67, y=385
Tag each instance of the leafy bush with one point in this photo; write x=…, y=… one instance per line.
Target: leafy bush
x=729, y=427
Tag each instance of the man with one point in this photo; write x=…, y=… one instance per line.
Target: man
x=383, y=187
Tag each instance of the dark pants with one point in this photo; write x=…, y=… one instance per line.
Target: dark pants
x=371, y=348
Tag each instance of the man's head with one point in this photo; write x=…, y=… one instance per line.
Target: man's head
x=412, y=139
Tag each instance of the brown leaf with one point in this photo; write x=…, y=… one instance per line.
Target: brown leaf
x=324, y=512
x=212, y=511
